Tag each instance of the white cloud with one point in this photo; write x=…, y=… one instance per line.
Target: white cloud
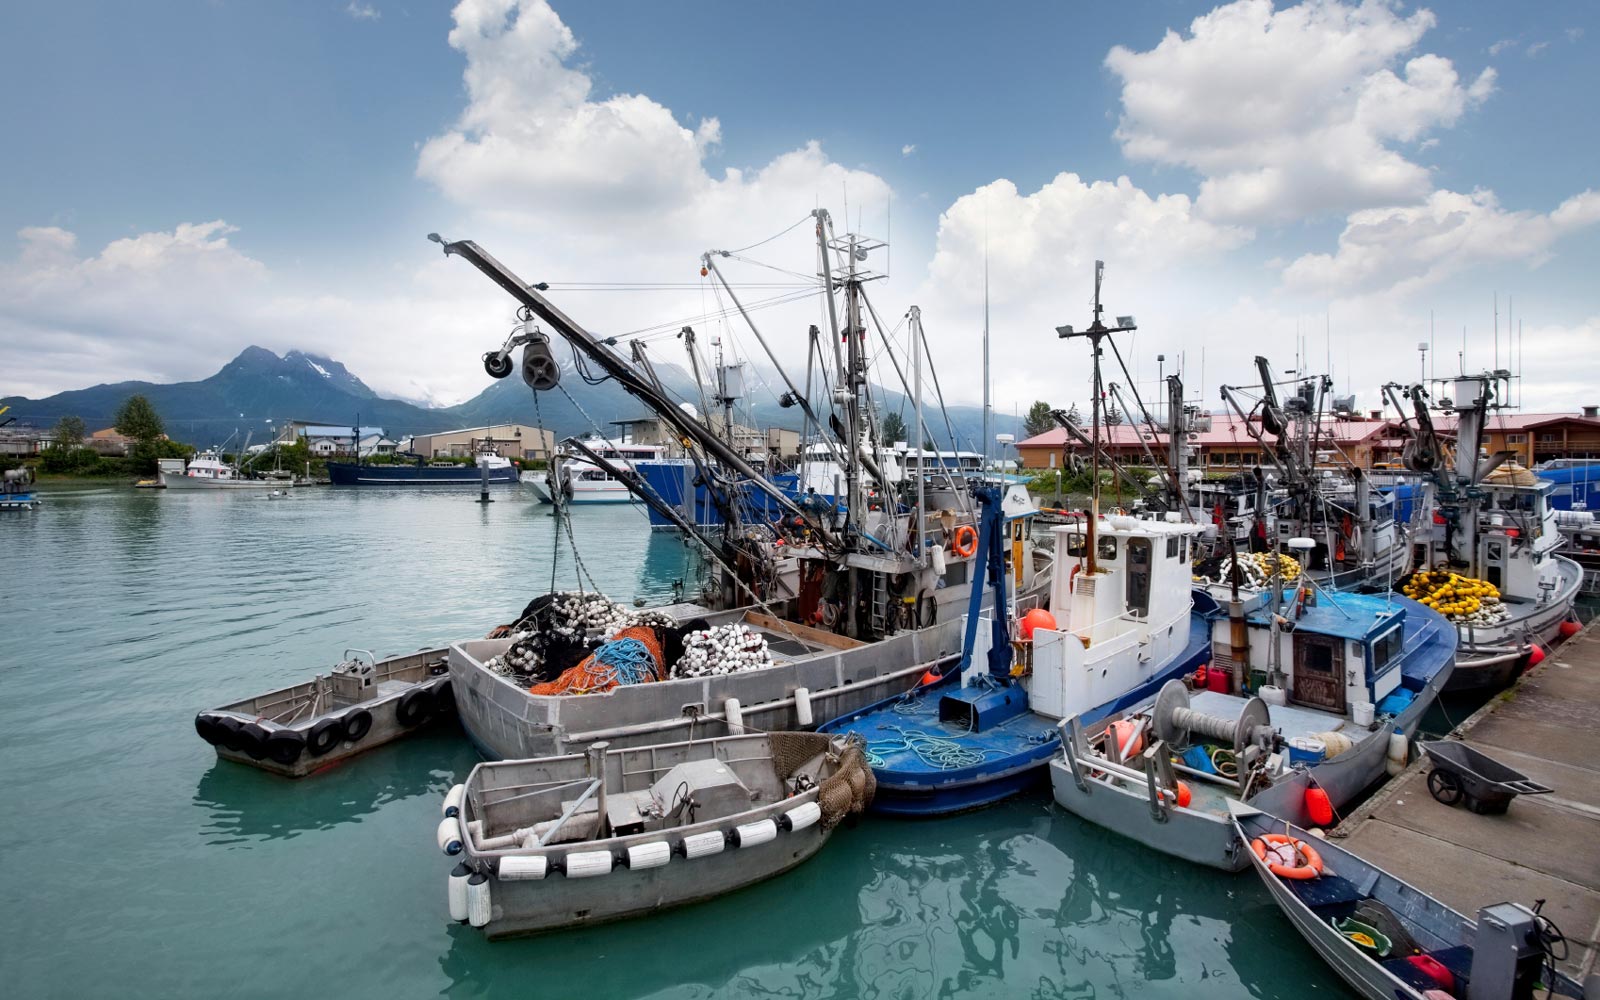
x=908, y=149
x=1573, y=34
x=1399, y=250
x=1501, y=46
x=1536, y=49
x=1291, y=113
x=363, y=11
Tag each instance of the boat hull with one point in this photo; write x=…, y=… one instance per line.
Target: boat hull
x=424, y=670
x=172, y=482
x=1491, y=658
x=346, y=474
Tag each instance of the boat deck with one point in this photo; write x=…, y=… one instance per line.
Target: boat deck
x=1543, y=847
x=1292, y=721
x=907, y=738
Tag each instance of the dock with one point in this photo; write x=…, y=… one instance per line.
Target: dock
x=1545, y=846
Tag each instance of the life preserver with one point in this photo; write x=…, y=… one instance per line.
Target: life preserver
x=1309, y=868
x=965, y=542
x=1071, y=577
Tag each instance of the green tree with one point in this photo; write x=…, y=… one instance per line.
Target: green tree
x=1113, y=416
x=138, y=419
x=893, y=429
x=69, y=432
x=1038, y=419
x=1074, y=415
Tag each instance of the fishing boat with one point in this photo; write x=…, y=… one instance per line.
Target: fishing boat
x=582, y=839
x=573, y=479
x=1486, y=533
x=16, y=490
x=1122, y=625
x=362, y=703
x=489, y=467
x=208, y=471
x=847, y=603
x=1310, y=696
x=1388, y=939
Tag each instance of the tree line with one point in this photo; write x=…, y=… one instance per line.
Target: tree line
x=136, y=419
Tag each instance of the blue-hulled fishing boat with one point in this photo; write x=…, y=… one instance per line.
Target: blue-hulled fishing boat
x=16, y=492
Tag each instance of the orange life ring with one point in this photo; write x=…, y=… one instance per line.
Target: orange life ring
x=1310, y=868
x=967, y=547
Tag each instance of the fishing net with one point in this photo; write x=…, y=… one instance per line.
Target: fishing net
x=847, y=791
x=632, y=657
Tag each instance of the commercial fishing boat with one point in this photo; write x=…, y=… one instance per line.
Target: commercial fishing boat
x=573, y=479
x=486, y=468
x=583, y=839
x=849, y=603
x=16, y=492
x=208, y=471
x=1122, y=624
x=1308, y=695
x=1486, y=535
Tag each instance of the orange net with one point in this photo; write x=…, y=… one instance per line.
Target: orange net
x=615, y=662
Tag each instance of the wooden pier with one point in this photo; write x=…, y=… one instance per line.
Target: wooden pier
x=1545, y=846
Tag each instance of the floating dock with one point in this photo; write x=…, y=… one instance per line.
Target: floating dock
x=1545, y=846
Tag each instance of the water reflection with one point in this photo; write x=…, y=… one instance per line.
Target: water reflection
x=243, y=804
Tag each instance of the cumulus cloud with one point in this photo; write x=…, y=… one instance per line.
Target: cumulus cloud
x=363, y=11
x=1536, y=49
x=1291, y=113
x=908, y=149
x=1399, y=250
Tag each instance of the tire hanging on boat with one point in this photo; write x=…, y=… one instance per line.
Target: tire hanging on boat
x=285, y=746
x=415, y=707
x=357, y=724
x=324, y=736
x=444, y=698
x=207, y=728
x=253, y=740
x=228, y=733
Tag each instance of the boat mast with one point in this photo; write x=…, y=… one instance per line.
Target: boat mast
x=986, y=402
x=1096, y=332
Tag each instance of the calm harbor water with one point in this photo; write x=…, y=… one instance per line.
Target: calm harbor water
x=137, y=864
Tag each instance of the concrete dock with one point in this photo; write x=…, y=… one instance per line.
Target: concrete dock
x=1545, y=846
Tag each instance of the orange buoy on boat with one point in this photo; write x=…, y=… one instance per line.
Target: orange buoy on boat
x=1035, y=619
x=1570, y=628
x=1535, y=656
x=1287, y=857
x=1319, y=807
x=1184, y=795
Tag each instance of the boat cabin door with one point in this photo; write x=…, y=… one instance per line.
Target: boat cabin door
x=1139, y=577
x=1318, y=672
x=1493, y=561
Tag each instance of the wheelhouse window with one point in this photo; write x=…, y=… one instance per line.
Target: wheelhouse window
x=1386, y=649
x=1172, y=546
x=1107, y=547
x=1076, y=545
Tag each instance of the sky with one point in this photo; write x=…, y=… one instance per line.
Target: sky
x=1326, y=184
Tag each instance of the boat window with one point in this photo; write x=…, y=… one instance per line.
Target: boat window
x=1386, y=648
x=1172, y=546
x=1139, y=555
x=1107, y=547
x=1075, y=545
x=1184, y=549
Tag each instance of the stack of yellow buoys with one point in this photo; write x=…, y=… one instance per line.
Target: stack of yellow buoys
x=1462, y=599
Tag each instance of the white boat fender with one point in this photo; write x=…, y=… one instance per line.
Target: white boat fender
x=733, y=714
x=1399, y=752
x=751, y=834
x=452, y=799
x=523, y=868
x=802, y=706
x=458, y=892
x=640, y=857
x=700, y=845
x=800, y=817
x=937, y=557
x=449, y=835
x=478, y=899
x=588, y=864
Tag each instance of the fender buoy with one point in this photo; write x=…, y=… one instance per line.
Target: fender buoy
x=324, y=736
x=415, y=706
x=1310, y=865
x=1319, y=807
x=357, y=724
x=1185, y=796
x=207, y=729
x=965, y=542
x=1535, y=656
x=285, y=746
x=253, y=740
x=444, y=697
x=1036, y=618
x=1128, y=743
x=1569, y=628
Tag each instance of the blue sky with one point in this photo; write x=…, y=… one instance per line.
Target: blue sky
x=305, y=127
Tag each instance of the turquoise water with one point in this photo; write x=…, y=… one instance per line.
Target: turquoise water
x=137, y=864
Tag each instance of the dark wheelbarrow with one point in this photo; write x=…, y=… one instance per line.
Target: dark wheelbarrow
x=1461, y=773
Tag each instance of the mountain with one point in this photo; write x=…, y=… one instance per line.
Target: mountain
x=258, y=386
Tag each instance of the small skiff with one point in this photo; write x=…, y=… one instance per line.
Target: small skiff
x=558, y=842
x=1390, y=940
x=363, y=702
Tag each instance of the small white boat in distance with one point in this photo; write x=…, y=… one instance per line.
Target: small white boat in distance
x=557, y=842
x=208, y=471
x=581, y=481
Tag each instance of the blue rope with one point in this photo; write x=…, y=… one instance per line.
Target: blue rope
x=626, y=661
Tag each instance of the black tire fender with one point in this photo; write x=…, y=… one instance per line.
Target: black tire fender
x=253, y=740
x=414, y=708
x=228, y=733
x=444, y=698
x=357, y=724
x=208, y=729
x=324, y=736
x=285, y=746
